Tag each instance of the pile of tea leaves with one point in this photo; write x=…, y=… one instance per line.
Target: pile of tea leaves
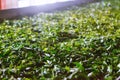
x=82, y=43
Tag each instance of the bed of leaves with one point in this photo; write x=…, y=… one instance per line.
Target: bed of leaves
x=76, y=44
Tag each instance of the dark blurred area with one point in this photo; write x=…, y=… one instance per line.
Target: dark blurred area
x=17, y=13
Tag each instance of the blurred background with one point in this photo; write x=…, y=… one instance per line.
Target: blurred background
x=8, y=4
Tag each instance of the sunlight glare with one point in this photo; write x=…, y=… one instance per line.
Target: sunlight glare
x=25, y=3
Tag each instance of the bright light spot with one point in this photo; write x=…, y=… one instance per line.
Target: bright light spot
x=25, y=3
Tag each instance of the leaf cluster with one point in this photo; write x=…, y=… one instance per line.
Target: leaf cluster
x=76, y=44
